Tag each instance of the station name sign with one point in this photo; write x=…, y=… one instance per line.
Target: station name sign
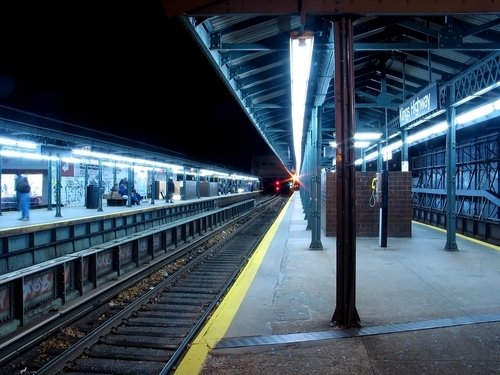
x=421, y=104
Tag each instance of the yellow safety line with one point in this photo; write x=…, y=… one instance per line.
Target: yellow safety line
x=218, y=324
x=482, y=243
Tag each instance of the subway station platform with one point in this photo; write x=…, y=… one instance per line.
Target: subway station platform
x=423, y=310
x=39, y=216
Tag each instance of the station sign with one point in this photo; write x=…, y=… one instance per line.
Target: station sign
x=419, y=105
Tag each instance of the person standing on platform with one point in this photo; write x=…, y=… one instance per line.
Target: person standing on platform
x=16, y=181
x=170, y=190
x=23, y=189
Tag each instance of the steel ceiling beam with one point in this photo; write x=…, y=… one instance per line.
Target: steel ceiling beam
x=326, y=7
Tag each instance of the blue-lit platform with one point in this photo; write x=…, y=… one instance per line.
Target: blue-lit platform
x=423, y=310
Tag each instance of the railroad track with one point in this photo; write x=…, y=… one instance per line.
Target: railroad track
x=147, y=331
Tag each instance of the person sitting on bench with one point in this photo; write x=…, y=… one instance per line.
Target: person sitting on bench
x=135, y=197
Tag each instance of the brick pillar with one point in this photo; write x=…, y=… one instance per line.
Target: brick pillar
x=367, y=217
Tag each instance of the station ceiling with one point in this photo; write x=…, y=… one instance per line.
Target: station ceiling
x=400, y=48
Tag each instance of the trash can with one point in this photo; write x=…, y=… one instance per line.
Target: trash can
x=92, y=198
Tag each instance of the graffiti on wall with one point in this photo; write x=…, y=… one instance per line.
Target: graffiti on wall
x=73, y=192
x=38, y=287
x=104, y=262
x=4, y=301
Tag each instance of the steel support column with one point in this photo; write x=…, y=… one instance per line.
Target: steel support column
x=49, y=184
x=59, y=187
x=451, y=168
x=496, y=184
x=153, y=186
x=404, y=152
x=380, y=160
x=15, y=187
x=308, y=167
x=306, y=176
x=198, y=182
x=130, y=179
x=169, y=173
x=100, y=187
x=316, y=182
x=345, y=315
x=384, y=209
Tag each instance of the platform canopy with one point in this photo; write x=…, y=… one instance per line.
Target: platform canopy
x=400, y=50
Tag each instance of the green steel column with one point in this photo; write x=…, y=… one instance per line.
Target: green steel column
x=86, y=178
x=1, y=181
x=316, y=182
x=451, y=167
x=404, y=151
x=129, y=186
x=380, y=159
x=49, y=184
x=168, y=173
x=306, y=166
x=184, y=180
x=153, y=186
x=100, y=187
x=59, y=187
x=303, y=184
x=198, y=182
x=307, y=162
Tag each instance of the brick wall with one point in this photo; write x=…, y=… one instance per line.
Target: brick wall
x=367, y=217
x=328, y=204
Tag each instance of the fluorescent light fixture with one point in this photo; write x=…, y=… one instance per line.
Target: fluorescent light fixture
x=142, y=169
x=477, y=113
x=20, y=144
x=206, y=172
x=123, y=159
x=357, y=144
x=114, y=164
x=432, y=130
x=70, y=160
x=362, y=136
x=371, y=156
x=100, y=155
x=496, y=104
x=301, y=46
x=237, y=177
x=392, y=147
x=26, y=155
x=361, y=144
x=478, y=93
x=361, y=139
x=125, y=162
